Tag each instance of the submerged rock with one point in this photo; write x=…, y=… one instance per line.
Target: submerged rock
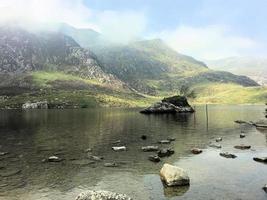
x=122, y=148
x=9, y=173
x=95, y=158
x=196, y=151
x=3, y=153
x=260, y=159
x=101, y=195
x=111, y=164
x=242, y=147
x=166, y=152
x=240, y=122
x=154, y=158
x=175, y=104
x=171, y=139
x=143, y=137
x=174, y=176
x=150, y=148
x=265, y=188
x=164, y=142
x=218, y=146
x=227, y=155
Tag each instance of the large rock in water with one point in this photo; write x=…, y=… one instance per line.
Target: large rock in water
x=101, y=195
x=175, y=104
x=174, y=176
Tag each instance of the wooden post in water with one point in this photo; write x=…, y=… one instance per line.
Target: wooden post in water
x=207, y=116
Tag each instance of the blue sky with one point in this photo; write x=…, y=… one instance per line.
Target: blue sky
x=205, y=29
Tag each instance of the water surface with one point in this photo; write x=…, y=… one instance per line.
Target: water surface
x=31, y=136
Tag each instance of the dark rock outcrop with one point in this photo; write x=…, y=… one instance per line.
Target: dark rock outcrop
x=175, y=104
x=227, y=155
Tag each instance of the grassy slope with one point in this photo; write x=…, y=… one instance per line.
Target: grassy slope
x=92, y=93
x=221, y=93
x=98, y=94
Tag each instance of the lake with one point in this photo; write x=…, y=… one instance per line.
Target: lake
x=31, y=136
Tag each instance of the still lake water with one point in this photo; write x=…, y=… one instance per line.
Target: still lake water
x=31, y=136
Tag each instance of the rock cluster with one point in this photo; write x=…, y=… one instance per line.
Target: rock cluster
x=36, y=105
x=175, y=104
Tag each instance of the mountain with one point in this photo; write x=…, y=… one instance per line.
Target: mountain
x=151, y=67
x=255, y=68
x=22, y=52
x=37, y=65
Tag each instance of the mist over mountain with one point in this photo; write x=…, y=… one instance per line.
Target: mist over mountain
x=253, y=67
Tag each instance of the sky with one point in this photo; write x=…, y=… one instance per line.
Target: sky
x=204, y=29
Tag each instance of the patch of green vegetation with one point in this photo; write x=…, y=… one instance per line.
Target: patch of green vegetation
x=223, y=93
x=44, y=78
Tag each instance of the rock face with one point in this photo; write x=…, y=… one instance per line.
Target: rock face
x=36, y=105
x=175, y=104
x=102, y=195
x=22, y=51
x=174, y=176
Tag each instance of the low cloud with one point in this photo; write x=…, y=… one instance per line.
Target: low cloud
x=116, y=26
x=121, y=27
x=211, y=42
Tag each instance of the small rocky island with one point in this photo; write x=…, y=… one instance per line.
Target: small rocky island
x=174, y=104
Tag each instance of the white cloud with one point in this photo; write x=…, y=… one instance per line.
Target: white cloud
x=211, y=42
x=116, y=26
x=72, y=12
x=121, y=26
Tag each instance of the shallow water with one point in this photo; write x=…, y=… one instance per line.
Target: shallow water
x=31, y=136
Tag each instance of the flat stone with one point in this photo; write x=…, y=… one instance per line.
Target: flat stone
x=154, y=158
x=260, y=159
x=54, y=159
x=174, y=176
x=164, y=142
x=196, y=151
x=242, y=147
x=227, y=155
x=150, y=148
x=83, y=162
x=218, y=146
x=121, y=148
x=95, y=158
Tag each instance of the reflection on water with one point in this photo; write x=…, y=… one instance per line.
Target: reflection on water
x=31, y=136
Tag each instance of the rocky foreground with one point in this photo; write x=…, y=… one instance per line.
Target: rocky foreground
x=175, y=104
